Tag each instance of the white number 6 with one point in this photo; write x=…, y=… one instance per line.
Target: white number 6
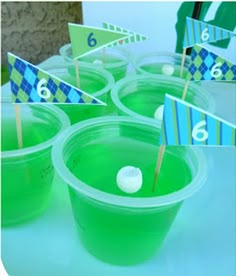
x=215, y=70
x=205, y=35
x=199, y=132
x=43, y=92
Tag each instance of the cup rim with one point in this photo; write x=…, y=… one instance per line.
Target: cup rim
x=111, y=199
x=154, y=54
x=59, y=114
x=149, y=78
x=101, y=71
x=123, y=62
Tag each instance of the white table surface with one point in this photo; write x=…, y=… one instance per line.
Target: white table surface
x=201, y=242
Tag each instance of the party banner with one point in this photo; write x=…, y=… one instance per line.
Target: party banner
x=133, y=37
x=85, y=40
x=197, y=32
x=206, y=65
x=30, y=84
x=185, y=124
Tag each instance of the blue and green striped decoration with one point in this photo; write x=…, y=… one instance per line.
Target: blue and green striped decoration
x=206, y=65
x=197, y=32
x=131, y=36
x=27, y=80
x=185, y=124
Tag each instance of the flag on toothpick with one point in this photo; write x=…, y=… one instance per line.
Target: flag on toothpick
x=30, y=84
x=131, y=38
x=197, y=32
x=185, y=124
x=206, y=65
x=85, y=39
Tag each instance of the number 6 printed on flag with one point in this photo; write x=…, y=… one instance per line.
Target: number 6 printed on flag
x=43, y=92
x=185, y=124
x=206, y=65
x=31, y=84
x=197, y=130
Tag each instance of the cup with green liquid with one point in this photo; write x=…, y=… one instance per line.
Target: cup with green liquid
x=161, y=63
x=113, y=60
x=114, y=226
x=142, y=96
x=93, y=80
x=27, y=172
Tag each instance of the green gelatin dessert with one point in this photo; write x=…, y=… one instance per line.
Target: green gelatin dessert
x=114, y=226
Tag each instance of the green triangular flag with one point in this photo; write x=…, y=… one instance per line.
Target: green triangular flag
x=133, y=37
x=85, y=39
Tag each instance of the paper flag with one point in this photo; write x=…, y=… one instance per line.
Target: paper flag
x=185, y=124
x=132, y=36
x=85, y=40
x=30, y=84
x=206, y=65
x=197, y=32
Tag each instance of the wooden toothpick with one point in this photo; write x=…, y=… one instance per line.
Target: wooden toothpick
x=158, y=165
x=18, y=126
x=185, y=90
x=182, y=62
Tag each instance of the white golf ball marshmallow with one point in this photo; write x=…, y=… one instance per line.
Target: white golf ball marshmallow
x=159, y=112
x=97, y=62
x=129, y=179
x=167, y=69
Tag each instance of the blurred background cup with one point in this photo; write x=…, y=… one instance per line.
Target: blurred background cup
x=142, y=96
x=161, y=63
x=93, y=80
x=114, y=60
x=27, y=173
x=114, y=226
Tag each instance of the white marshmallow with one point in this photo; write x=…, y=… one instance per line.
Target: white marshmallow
x=129, y=179
x=97, y=62
x=167, y=69
x=159, y=112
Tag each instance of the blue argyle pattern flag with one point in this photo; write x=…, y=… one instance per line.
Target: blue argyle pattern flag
x=206, y=65
x=30, y=84
x=130, y=38
x=198, y=32
x=185, y=124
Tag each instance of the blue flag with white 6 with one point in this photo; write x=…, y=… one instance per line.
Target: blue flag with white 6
x=185, y=124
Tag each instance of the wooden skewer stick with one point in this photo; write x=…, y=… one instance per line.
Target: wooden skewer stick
x=18, y=126
x=185, y=90
x=158, y=165
x=77, y=73
x=182, y=62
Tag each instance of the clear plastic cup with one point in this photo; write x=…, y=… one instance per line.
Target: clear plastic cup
x=114, y=226
x=27, y=173
x=93, y=80
x=161, y=63
x=113, y=60
x=140, y=96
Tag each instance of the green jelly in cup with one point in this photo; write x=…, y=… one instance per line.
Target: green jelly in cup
x=94, y=81
x=161, y=63
x=27, y=173
x=140, y=96
x=113, y=60
x=116, y=227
